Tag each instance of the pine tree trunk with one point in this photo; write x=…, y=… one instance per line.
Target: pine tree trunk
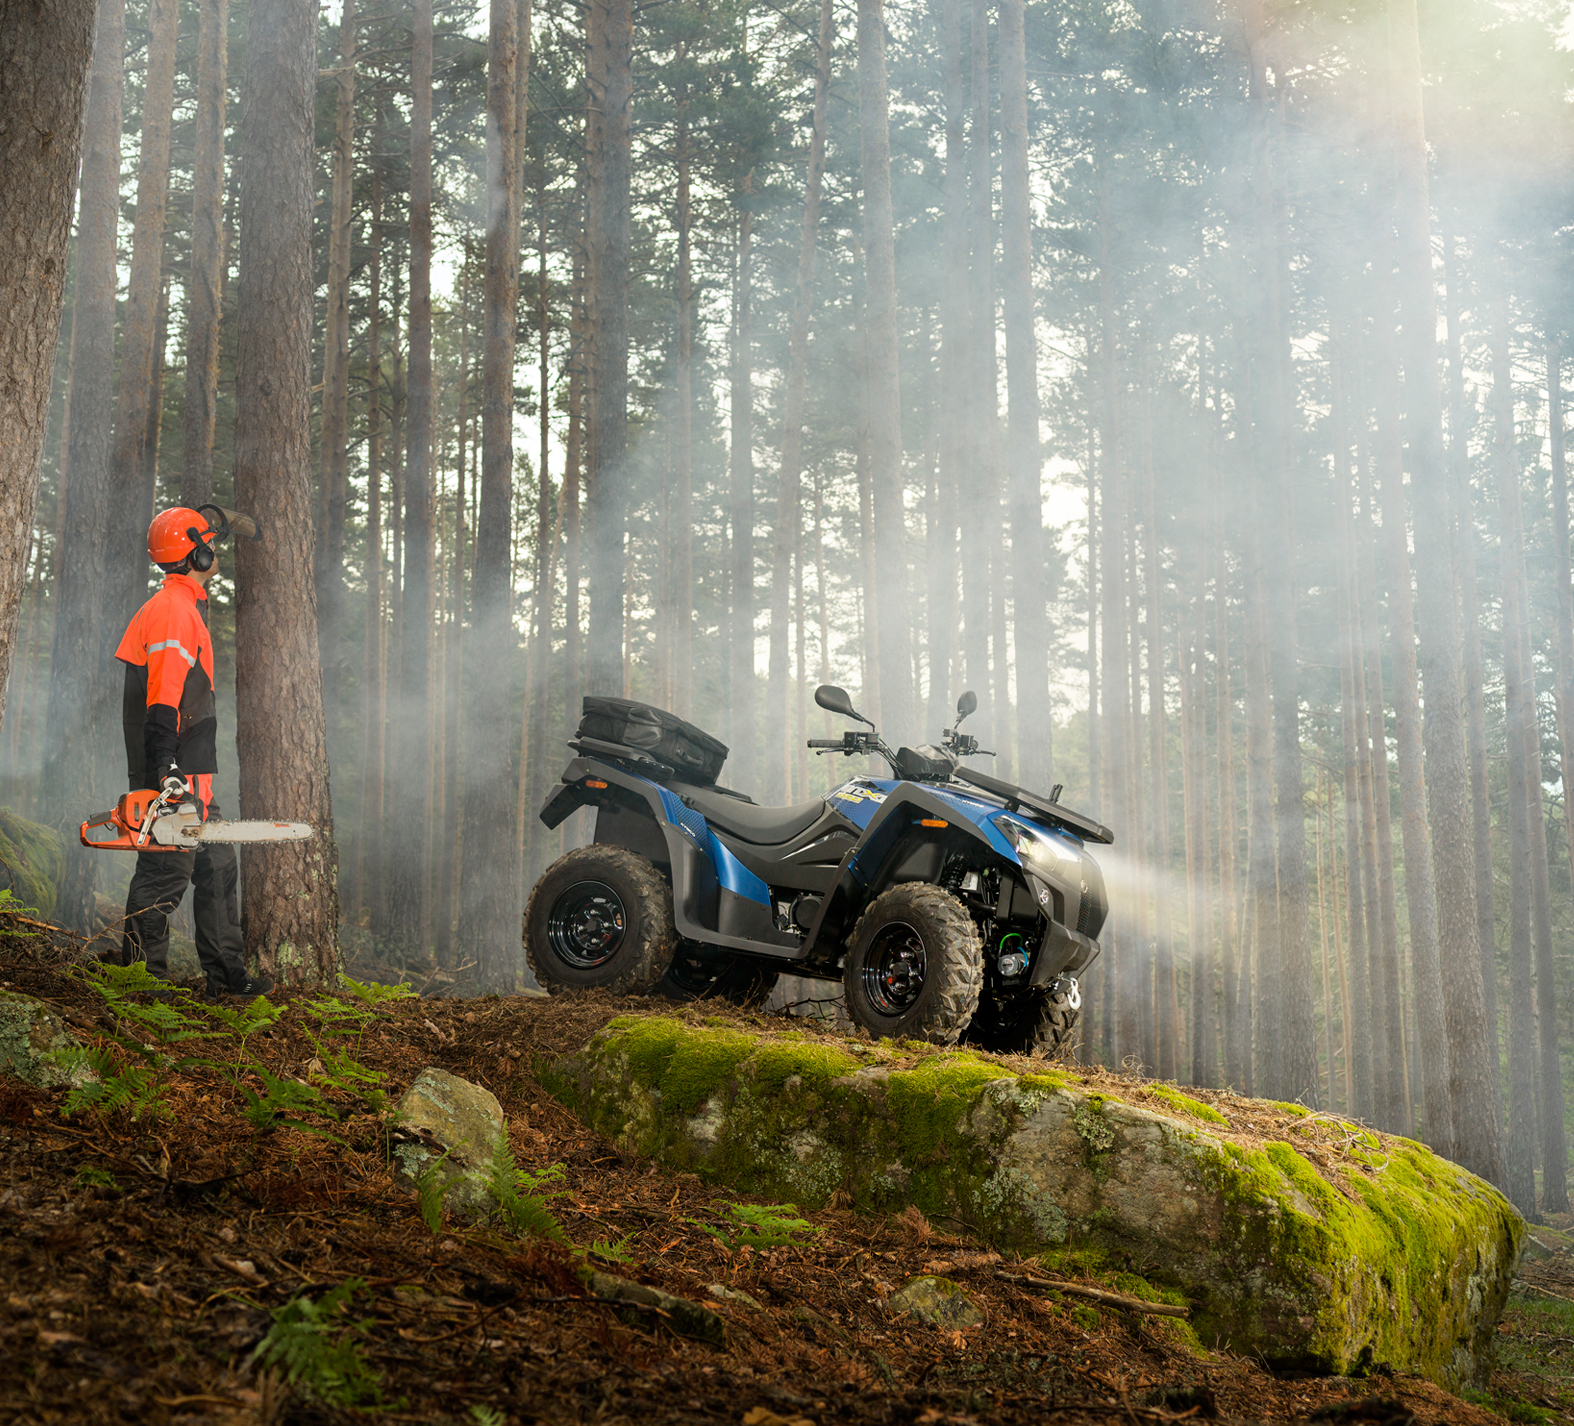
x=374, y=702
x=205, y=282
x=416, y=722
x=336, y=380
x=1382, y=924
x=1466, y=1037
x=610, y=75
x=1521, y=732
x=83, y=687
x=788, y=494
x=745, y=736
x=1352, y=689
x=1554, y=1150
x=683, y=441
x=292, y=914
x=981, y=394
x=1024, y=463
x=1164, y=1034
x=46, y=48
x=882, y=334
x=1420, y=884
x=1262, y=898
x=490, y=902
x=130, y=510
x=1194, y=737
x=1475, y=678
x=1237, y=1025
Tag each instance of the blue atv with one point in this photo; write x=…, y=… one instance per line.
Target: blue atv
x=949, y=904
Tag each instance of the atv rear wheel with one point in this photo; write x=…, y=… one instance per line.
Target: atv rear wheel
x=600, y=917
x=1031, y=1022
x=716, y=977
x=915, y=967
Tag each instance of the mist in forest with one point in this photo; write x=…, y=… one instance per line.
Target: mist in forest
x=1186, y=380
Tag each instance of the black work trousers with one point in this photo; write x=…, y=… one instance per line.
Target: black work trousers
x=157, y=887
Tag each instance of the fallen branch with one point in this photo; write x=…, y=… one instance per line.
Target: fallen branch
x=1096, y=1294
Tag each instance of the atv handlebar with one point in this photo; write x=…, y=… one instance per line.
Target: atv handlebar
x=825, y=743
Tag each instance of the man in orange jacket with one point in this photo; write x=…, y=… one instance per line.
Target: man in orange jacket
x=171, y=725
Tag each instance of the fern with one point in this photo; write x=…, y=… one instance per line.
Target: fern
x=610, y=1252
x=371, y=993
x=487, y=1416
x=431, y=1186
x=284, y=1099
x=523, y=1195
x=316, y=1352
x=759, y=1225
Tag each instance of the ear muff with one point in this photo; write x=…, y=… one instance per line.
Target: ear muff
x=202, y=555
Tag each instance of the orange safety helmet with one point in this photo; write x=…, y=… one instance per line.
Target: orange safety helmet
x=180, y=534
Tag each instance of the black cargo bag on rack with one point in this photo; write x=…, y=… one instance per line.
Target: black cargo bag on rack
x=693, y=754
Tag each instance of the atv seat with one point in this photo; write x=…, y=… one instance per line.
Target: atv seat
x=763, y=826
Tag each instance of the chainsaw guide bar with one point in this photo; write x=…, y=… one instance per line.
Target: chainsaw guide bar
x=144, y=822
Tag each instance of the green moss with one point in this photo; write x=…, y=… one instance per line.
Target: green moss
x=1194, y=1107
x=32, y=858
x=1086, y=1318
x=1391, y=1255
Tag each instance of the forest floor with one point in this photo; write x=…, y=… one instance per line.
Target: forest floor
x=143, y=1261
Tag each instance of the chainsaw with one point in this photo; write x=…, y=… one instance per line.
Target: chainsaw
x=167, y=821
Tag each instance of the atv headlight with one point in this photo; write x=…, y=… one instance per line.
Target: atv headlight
x=1044, y=851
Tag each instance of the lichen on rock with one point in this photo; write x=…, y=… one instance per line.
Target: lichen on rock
x=1379, y=1254
x=937, y=1301
x=448, y=1126
x=35, y=1045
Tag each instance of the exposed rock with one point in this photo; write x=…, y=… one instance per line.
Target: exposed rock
x=687, y=1319
x=442, y=1114
x=937, y=1301
x=33, y=1044
x=1332, y=1249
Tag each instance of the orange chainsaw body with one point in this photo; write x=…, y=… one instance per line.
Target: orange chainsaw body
x=121, y=829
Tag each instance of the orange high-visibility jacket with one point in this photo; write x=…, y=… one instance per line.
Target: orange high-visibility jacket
x=168, y=708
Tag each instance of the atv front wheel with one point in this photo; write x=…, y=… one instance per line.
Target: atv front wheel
x=1031, y=1022
x=916, y=965
x=716, y=977
x=600, y=917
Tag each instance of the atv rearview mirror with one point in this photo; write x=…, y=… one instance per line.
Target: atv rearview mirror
x=966, y=704
x=835, y=700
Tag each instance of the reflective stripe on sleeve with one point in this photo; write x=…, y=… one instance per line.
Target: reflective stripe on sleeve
x=180, y=648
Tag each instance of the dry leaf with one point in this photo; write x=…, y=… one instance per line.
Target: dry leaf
x=764, y=1416
x=54, y=1339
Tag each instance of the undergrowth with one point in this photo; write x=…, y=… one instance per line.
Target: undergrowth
x=316, y=1347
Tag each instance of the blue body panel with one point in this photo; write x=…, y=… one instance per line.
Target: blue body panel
x=730, y=872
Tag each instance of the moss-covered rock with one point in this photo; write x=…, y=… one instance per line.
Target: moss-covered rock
x=1382, y=1254
x=35, y=1044
x=937, y=1301
x=449, y=1127
x=32, y=857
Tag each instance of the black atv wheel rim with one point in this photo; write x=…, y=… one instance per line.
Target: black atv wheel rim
x=692, y=975
x=586, y=925
x=893, y=969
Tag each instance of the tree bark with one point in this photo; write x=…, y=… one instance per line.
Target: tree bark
x=336, y=378
x=82, y=684
x=1521, y=733
x=610, y=76
x=1420, y=873
x=374, y=687
x=490, y=901
x=682, y=593
x=981, y=392
x=1476, y=1139
x=740, y=462
x=291, y=914
x=788, y=493
x=46, y=48
x=1024, y=463
x=883, y=334
x=132, y=507
x=205, y=283
x=1475, y=680
x=1352, y=688
x=1554, y=1148
x=415, y=723
x=1237, y=1032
